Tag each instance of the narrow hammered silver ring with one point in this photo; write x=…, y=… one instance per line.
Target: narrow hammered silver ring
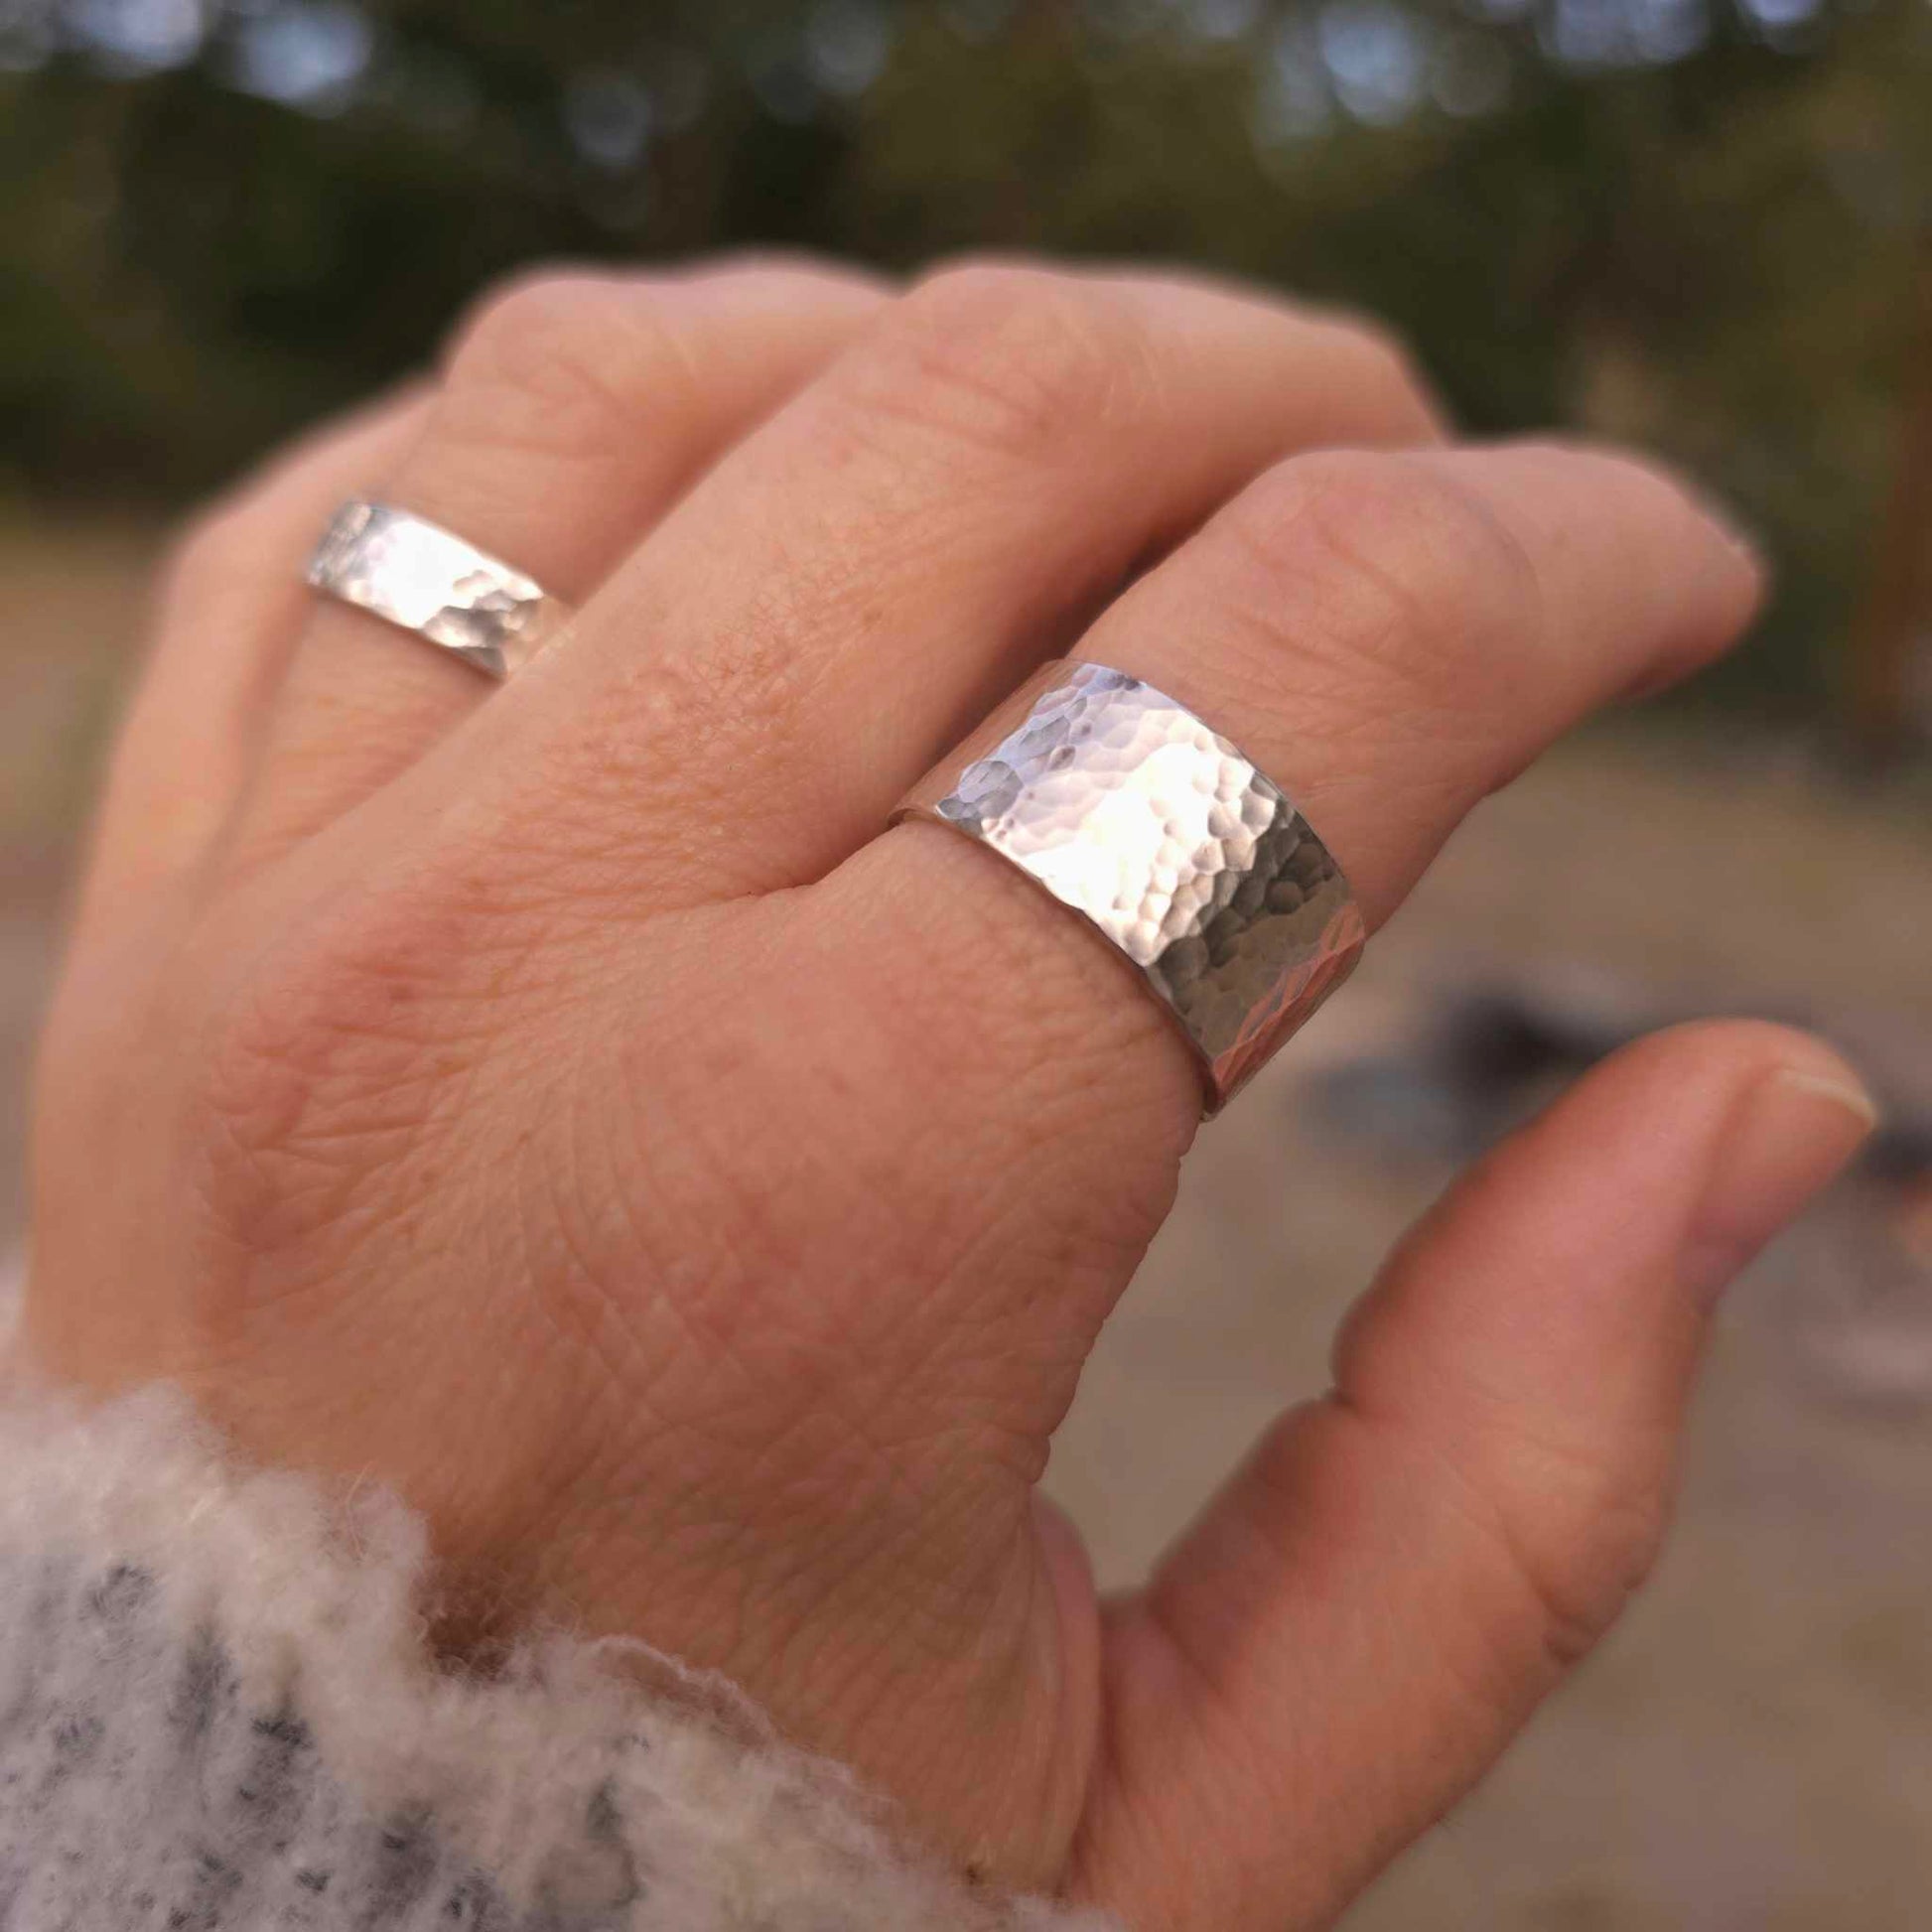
x=1145, y=821
x=424, y=579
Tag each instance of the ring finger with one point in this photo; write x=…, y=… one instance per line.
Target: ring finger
x=575, y=410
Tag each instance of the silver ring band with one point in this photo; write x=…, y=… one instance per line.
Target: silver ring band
x=1128, y=808
x=416, y=575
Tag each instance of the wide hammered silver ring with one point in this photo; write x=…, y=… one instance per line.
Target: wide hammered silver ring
x=1128, y=808
x=422, y=578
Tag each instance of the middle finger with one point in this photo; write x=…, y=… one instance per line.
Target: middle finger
x=948, y=503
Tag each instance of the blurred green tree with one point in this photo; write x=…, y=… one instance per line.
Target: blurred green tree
x=1696, y=223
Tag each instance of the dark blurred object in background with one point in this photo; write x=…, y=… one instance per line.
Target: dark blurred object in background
x=1701, y=224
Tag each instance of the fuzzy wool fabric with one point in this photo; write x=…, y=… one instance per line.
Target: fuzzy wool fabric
x=218, y=1710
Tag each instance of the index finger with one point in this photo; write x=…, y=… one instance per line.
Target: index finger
x=1390, y=636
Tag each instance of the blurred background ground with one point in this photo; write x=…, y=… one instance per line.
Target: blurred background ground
x=1703, y=225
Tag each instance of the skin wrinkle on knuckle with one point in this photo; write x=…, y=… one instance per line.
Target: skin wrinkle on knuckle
x=1572, y=1554
x=1213, y=1708
x=563, y=364
x=1011, y=362
x=1382, y=569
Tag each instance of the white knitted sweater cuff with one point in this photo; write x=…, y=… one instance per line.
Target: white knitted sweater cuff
x=218, y=1710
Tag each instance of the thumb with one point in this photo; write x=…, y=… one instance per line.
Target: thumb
x=1361, y=1621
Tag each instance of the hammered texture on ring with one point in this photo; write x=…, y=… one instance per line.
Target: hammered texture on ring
x=422, y=578
x=1128, y=808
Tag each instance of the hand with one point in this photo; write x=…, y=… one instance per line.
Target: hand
x=568, y=1102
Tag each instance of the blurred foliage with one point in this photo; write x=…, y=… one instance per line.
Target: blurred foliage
x=1698, y=223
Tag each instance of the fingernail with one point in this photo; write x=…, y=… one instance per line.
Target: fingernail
x=1794, y=1132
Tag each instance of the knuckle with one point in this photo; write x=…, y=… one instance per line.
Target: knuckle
x=1569, y=1526
x=563, y=360
x=1009, y=358
x=1395, y=565
x=1579, y=1567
